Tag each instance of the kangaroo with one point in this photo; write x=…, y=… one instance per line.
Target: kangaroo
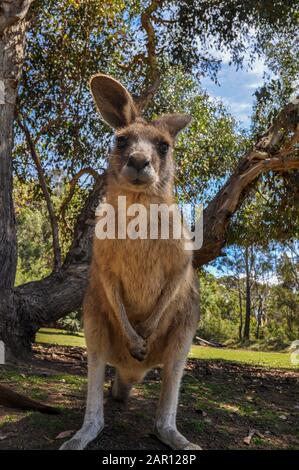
x=141, y=307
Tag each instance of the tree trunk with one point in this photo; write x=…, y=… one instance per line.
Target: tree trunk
x=259, y=318
x=25, y=308
x=12, y=39
x=240, y=315
x=11, y=57
x=248, y=297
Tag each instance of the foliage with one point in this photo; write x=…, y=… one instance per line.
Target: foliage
x=71, y=322
x=33, y=228
x=69, y=40
x=219, y=309
x=274, y=292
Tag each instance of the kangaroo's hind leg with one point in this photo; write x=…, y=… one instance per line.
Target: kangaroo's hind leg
x=165, y=426
x=180, y=339
x=94, y=414
x=123, y=383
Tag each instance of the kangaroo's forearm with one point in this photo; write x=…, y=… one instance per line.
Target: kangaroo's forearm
x=112, y=290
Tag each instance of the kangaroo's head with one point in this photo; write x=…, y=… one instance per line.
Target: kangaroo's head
x=141, y=158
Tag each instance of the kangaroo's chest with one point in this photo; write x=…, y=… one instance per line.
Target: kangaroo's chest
x=144, y=271
x=143, y=267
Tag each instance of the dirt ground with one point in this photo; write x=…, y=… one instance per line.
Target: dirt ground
x=221, y=404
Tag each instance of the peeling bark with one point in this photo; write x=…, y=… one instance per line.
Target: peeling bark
x=12, y=38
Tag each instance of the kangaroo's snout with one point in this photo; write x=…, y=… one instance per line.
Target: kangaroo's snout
x=138, y=161
x=138, y=169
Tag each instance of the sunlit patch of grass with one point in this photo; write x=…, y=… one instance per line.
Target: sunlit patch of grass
x=229, y=407
x=68, y=379
x=60, y=337
x=257, y=358
x=8, y=419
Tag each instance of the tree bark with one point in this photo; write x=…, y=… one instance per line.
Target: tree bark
x=24, y=309
x=248, y=296
x=273, y=152
x=240, y=314
x=12, y=39
x=259, y=318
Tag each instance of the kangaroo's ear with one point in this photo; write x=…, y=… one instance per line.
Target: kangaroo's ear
x=113, y=101
x=173, y=123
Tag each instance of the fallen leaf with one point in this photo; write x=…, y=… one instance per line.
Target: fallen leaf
x=5, y=436
x=64, y=434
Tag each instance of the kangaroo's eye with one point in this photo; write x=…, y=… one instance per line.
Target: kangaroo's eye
x=121, y=141
x=163, y=148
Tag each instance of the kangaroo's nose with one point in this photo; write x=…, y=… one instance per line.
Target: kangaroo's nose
x=138, y=161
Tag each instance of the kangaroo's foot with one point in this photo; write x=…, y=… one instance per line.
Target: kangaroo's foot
x=121, y=390
x=84, y=436
x=173, y=438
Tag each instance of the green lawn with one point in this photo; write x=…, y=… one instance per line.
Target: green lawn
x=60, y=337
x=257, y=358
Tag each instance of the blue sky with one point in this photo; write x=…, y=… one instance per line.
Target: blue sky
x=237, y=87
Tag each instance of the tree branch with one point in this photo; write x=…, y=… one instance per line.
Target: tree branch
x=277, y=150
x=73, y=182
x=153, y=78
x=50, y=123
x=43, y=183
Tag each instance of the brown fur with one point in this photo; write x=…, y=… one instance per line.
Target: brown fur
x=141, y=307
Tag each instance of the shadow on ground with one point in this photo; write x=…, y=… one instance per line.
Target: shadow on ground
x=220, y=403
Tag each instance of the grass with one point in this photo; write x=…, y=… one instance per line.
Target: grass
x=60, y=337
x=256, y=358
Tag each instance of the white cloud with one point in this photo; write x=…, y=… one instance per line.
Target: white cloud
x=235, y=105
x=254, y=85
x=257, y=68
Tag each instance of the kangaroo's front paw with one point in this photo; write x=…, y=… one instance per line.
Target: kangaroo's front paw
x=144, y=330
x=138, y=348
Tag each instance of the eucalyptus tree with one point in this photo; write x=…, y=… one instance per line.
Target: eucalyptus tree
x=59, y=135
